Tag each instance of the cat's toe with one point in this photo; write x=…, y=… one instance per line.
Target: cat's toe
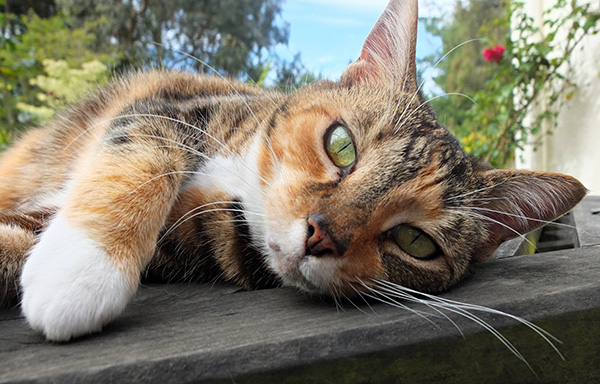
x=70, y=285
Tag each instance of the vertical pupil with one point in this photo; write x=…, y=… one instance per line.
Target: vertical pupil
x=415, y=242
x=340, y=147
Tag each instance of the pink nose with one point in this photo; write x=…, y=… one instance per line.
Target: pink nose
x=318, y=240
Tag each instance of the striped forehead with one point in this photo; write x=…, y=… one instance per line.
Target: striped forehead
x=398, y=159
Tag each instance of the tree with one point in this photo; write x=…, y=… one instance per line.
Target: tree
x=464, y=70
x=292, y=75
x=61, y=85
x=11, y=10
x=21, y=60
x=531, y=78
x=515, y=83
x=232, y=36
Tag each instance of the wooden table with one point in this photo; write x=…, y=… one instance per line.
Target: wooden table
x=200, y=333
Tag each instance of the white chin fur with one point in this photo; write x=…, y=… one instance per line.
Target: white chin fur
x=70, y=286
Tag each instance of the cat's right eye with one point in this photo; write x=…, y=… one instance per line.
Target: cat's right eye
x=339, y=146
x=414, y=242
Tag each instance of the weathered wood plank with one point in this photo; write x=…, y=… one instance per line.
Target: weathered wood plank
x=587, y=221
x=190, y=333
x=508, y=248
x=583, y=218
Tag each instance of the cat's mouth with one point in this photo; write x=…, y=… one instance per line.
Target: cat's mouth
x=289, y=268
x=286, y=264
x=311, y=264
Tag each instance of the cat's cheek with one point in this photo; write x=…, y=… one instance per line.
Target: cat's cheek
x=322, y=273
x=70, y=285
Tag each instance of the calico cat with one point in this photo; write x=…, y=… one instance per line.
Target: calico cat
x=175, y=177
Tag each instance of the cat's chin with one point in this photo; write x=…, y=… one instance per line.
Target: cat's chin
x=287, y=267
x=308, y=273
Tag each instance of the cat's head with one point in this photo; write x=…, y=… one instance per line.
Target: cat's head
x=364, y=183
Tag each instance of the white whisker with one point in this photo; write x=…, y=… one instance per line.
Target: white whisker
x=409, y=297
x=486, y=218
x=193, y=150
x=416, y=93
x=391, y=301
x=356, y=306
x=402, y=121
x=164, y=175
x=193, y=213
x=470, y=200
x=233, y=89
x=236, y=221
x=462, y=309
x=474, y=192
x=517, y=216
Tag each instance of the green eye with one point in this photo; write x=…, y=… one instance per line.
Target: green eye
x=340, y=147
x=414, y=242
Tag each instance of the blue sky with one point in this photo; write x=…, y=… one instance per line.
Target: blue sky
x=330, y=33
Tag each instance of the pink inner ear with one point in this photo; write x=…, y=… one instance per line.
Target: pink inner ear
x=522, y=201
x=378, y=46
x=388, y=53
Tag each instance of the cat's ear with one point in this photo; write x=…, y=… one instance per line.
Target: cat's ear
x=518, y=202
x=388, y=53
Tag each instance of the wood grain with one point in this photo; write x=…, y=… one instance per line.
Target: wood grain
x=193, y=333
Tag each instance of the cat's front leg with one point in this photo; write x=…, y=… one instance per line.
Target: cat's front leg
x=71, y=285
x=87, y=264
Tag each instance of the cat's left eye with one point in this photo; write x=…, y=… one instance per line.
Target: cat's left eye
x=414, y=242
x=340, y=146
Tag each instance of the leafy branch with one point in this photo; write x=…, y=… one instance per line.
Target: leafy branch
x=531, y=79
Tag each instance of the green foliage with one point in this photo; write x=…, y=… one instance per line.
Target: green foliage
x=232, y=36
x=28, y=40
x=464, y=69
x=529, y=82
x=48, y=46
x=523, y=89
x=62, y=85
x=293, y=75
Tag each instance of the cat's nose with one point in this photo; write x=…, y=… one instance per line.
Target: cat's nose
x=319, y=241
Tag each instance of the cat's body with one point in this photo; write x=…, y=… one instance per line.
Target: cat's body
x=175, y=176
x=43, y=166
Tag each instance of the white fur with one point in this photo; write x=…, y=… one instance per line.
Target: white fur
x=321, y=272
x=286, y=249
x=56, y=199
x=70, y=286
x=238, y=177
x=285, y=243
x=288, y=260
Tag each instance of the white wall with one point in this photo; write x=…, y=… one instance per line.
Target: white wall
x=573, y=147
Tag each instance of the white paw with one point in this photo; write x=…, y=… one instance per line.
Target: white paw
x=70, y=286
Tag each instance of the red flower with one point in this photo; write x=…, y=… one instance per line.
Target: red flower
x=493, y=54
